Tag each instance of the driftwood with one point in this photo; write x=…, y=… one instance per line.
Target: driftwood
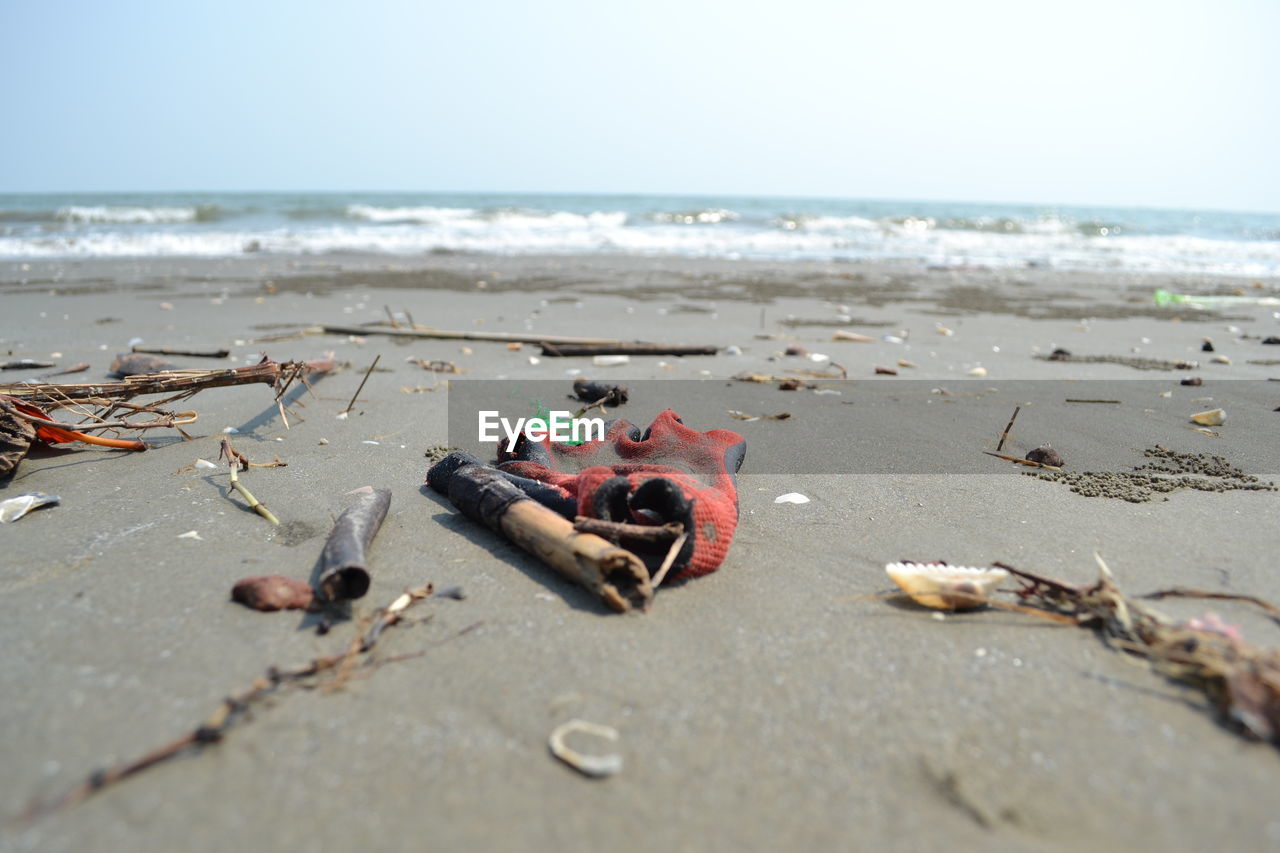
x=482, y=494
x=342, y=563
x=192, y=353
x=181, y=383
x=557, y=350
x=445, y=334
x=330, y=671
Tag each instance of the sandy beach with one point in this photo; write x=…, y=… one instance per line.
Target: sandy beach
x=775, y=703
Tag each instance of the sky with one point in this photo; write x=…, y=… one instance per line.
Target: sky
x=1122, y=103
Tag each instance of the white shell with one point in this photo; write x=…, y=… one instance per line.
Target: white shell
x=842, y=335
x=1213, y=417
x=946, y=587
x=791, y=498
x=978, y=371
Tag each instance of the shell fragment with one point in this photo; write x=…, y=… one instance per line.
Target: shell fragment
x=15, y=508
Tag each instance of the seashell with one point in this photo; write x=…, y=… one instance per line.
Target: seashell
x=944, y=587
x=842, y=335
x=902, y=362
x=791, y=498
x=593, y=766
x=1220, y=359
x=1213, y=417
x=15, y=508
x=978, y=371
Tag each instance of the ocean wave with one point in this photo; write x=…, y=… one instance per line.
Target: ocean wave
x=123, y=215
x=1058, y=244
x=424, y=215
x=708, y=216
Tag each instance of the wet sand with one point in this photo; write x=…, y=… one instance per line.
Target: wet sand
x=769, y=704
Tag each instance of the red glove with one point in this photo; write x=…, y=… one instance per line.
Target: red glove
x=670, y=473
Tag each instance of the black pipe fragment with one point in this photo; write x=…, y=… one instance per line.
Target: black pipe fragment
x=342, y=562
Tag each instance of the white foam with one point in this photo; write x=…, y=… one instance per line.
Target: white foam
x=127, y=215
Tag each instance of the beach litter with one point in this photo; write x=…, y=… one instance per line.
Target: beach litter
x=610, y=360
x=592, y=766
x=273, y=592
x=1213, y=417
x=15, y=508
x=599, y=393
x=327, y=671
x=791, y=498
x=343, y=571
x=237, y=462
x=139, y=364
x=939, y=586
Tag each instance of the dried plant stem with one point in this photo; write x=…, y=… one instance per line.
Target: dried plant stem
x=367, y=373
x=234, y=708
x=660, y=575
x=254, y=504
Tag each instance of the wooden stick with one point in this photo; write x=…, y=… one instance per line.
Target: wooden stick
x=556, y=350
x=482, y=494
x=444, y=334
x=367, y=373
x=629, y=535
x=194, y=353
x=661, y=574
x=1004, y=436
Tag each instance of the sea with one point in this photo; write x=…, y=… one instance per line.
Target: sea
x=932, y=233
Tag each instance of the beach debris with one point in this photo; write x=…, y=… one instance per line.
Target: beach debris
x=1271, y=339
x=902, y=362
x=75, y=368
x=188, y=353
x=842, y=335
x=178, y=383
x=237, y=462
x=1045, y=455
x=1192, y=380
x=1220, y=359
x=885, y=371
x=445, y=334
x=561, y=350
x=939, y=586
x=746, y=416
x=15, y=508
x=1207, y=346
x=592, y=766
x=328, y=671
x=978, y=372
x=943, y=330
x=343, y=572
x=1058, y=354
x=191, y=534
x=1125, y=360
x=1164, y=297
x=599, y=393
x=23, y=423
x=1092, y=400
x=435, y=366
x=796, y=349
x=360, y=387
x=1213, y=417
x=203, y=463
x=25, y=364
x=1005, y=435
x=610, y=360
x=732, y=349
x=617, y=577
x=1168, y=471
x=791, y=498
x=273, y=592
x=819, y=357
x=793, y=384
x=139, y=364
x=1241, y=681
